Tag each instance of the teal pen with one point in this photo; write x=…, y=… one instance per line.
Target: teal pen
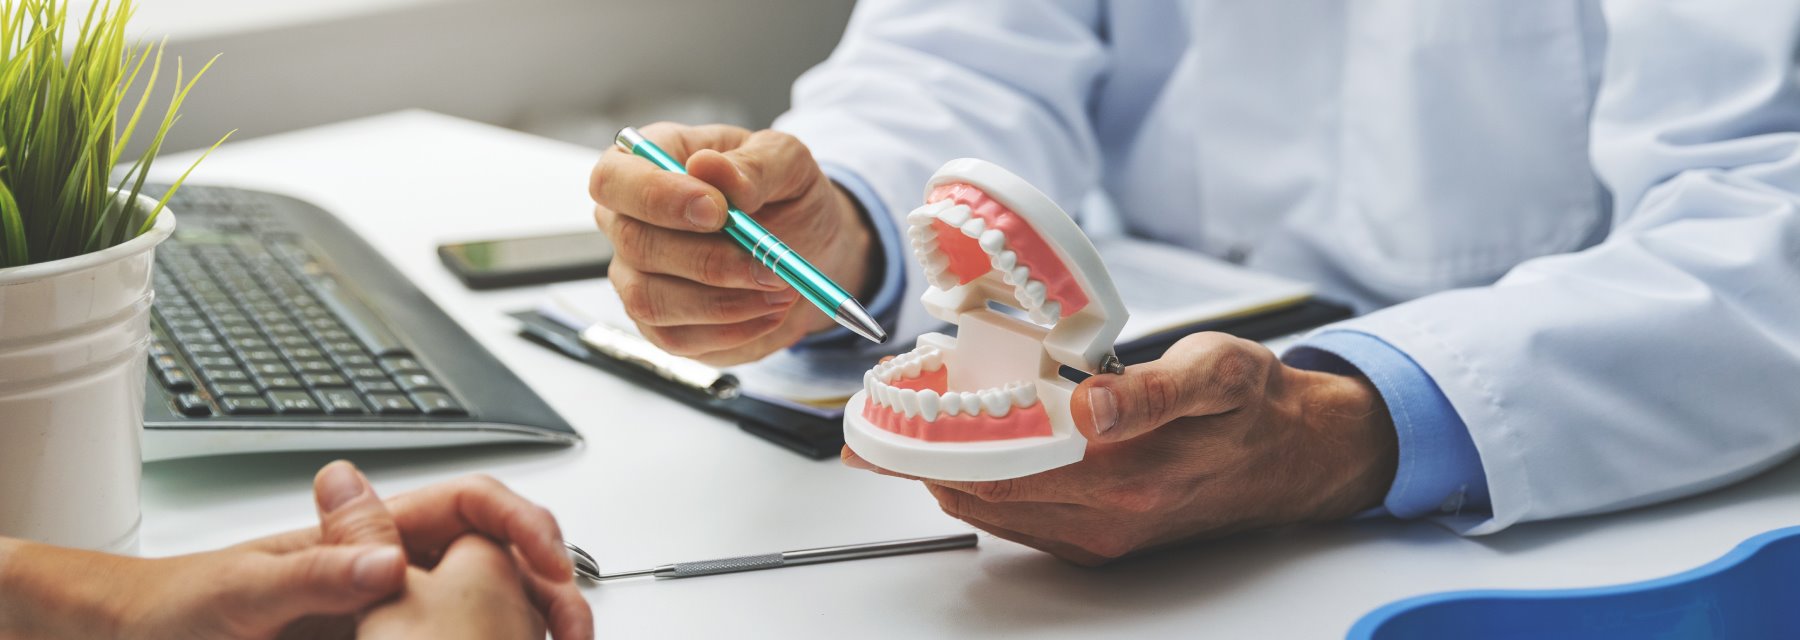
x=771, y=251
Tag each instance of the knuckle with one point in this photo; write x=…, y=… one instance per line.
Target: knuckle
x=716, y=267
x=996, y=491
x=639, y=303
x=1159, y=393
x=669, y=341
x=631, y=240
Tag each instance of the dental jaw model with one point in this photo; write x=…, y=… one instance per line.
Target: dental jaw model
x=990, y=404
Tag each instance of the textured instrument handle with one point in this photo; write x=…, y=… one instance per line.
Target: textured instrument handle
x=727, y=565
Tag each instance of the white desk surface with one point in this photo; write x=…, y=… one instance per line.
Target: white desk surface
x=659, y=483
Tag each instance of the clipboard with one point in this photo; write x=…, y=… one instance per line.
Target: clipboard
x=821, y=437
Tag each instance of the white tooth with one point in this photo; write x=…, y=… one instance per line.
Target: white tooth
x=995, y=402
x=1020, y=275
x=932, y=360
x=1052, y=311
x=942, y=280
x=1037, y=316
x=952, y=403
x=1023, y=394
x=909, y=402
x=974, y=227
x=935, y=262
x=881, y=395
x=917, y=233
x=869, y=383
x=924, y=215
x=954, y=216
x=992, y=241
x=912, y=367
x=928, y=405
x=1005, y=261
x=1034, y=293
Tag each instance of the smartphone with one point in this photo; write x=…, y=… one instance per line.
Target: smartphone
x=515, y=262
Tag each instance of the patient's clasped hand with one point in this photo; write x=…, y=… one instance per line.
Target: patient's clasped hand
x=463, y=559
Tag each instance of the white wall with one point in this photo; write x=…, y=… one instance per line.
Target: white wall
x=288, y=65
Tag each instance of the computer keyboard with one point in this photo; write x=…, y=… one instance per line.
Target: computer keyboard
x=277, y=328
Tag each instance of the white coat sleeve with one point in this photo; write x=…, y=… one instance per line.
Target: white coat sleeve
x=1664, y=361
x=916, y=83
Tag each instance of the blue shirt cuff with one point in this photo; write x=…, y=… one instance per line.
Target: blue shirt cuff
x=1440, y=471
x=884, y=306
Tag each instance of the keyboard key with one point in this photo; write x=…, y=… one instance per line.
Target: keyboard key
x=235, y=389
x=355, y=360
x=343, y=346
x=246, y=406
x=293, y=341
x=402, y=366
x=215, y=362
x=317, y=380
x=159, y=348
x=257, y=356
x=314, y=366
x=223, y=375
x=202, y=349
x=342, y=402
x=279, y=382
x=392, y=404
x=439, y=404
x=176, y=379
x=305, y=353
x=253, y=344
x=367, y=373
x=295, y=403
x=192, y=405
x=418, y=382
x=270, y=369
x=165, y=362
x=373, y=386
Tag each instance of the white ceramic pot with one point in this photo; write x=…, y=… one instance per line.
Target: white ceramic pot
x=74, y=335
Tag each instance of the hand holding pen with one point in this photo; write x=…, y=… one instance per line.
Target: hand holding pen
x=693, y=287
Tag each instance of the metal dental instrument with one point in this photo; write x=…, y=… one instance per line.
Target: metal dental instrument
x=777, y=560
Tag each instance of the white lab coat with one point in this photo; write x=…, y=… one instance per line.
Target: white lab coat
x=1582, y=213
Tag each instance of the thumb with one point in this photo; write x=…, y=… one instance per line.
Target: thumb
x=1203, y=374
x=770, y=166
x=331, y=580
x=349, y=510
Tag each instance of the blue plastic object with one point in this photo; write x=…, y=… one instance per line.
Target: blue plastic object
x=1752, y=592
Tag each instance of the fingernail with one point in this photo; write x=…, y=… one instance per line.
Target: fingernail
x=766, y=276
x=374, y=569
x=1105, y=410
x=700, y=212
x=340, y=485
x=779, y=298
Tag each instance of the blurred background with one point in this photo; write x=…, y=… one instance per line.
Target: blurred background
x=575, y=70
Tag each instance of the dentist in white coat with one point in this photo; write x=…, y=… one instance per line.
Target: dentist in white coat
x=1574, y=228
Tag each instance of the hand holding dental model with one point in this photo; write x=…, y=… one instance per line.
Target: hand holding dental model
x=1217, y=436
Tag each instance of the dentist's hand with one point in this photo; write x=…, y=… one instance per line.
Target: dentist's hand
x=691, y=289
x=1216, y=437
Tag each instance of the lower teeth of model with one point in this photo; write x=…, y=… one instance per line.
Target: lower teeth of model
x=1030, y=293
x=995, y=402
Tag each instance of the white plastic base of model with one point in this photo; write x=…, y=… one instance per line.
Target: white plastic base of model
x=965, y=461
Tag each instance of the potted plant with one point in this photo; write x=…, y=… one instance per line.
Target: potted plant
x=76, y=242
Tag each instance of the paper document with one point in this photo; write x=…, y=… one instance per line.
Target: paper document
x=1166, y=287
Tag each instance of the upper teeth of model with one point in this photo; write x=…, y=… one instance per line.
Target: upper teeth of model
x=1030, y=292
x=930, y=405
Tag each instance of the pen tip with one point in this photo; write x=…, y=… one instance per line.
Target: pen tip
x=854, y=317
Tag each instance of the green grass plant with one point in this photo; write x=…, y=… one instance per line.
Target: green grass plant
x=63, y=129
